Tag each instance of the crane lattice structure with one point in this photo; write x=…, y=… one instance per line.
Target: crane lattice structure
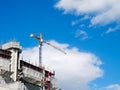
x=41, y=41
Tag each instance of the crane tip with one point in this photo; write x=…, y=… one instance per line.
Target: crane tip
x=31, y=35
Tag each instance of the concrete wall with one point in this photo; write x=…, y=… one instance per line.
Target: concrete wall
x=4, y=64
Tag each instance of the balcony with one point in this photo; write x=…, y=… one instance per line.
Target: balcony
x=31, y=73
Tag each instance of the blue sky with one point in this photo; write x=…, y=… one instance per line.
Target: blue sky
x=80, y=26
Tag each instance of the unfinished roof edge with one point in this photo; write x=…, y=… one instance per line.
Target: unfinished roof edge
x=12, y=45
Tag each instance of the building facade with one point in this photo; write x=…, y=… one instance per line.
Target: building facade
x=18, y=74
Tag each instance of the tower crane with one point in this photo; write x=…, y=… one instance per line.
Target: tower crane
x=41, y=41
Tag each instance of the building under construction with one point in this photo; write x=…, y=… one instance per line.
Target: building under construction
x=18, y=74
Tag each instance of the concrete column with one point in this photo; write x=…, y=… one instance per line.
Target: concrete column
x=14, y=63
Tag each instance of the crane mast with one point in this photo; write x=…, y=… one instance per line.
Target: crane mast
x=41, y=41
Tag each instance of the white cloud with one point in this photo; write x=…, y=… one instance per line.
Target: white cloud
x=111, y=15
x=103, y=11
x=111, y=87
x=74, y=71
x=80, y=20
x=81, y=34
x=112, y=29
x=76, y=22
x=81, y=6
